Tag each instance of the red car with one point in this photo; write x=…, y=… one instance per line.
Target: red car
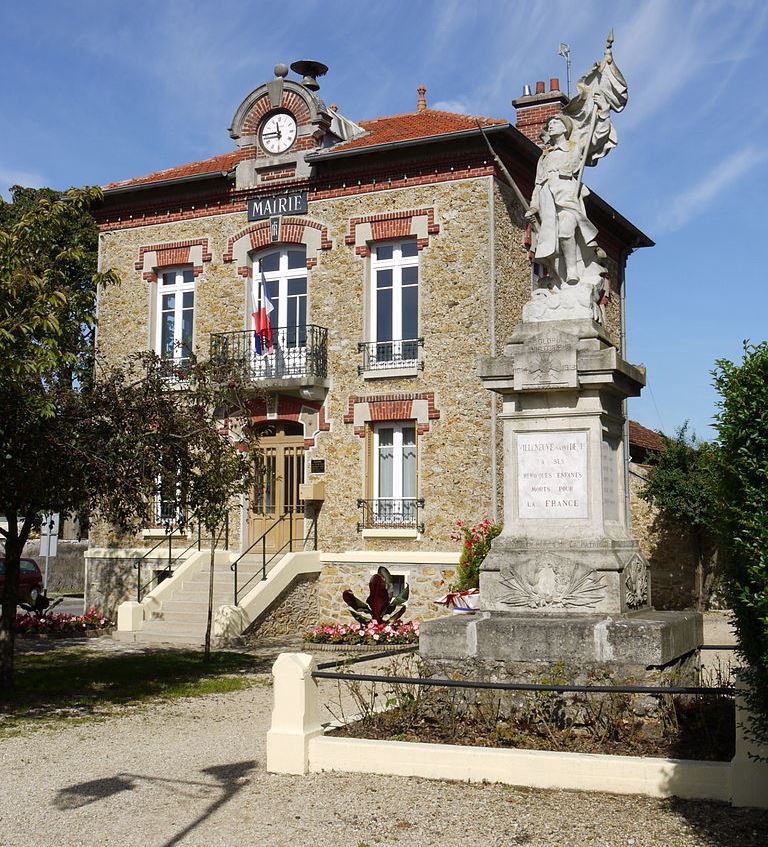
x=30, y=581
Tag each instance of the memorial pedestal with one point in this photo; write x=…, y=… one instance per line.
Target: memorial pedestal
x=565, y=580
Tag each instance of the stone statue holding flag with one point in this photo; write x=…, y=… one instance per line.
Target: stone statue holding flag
x=564, y=239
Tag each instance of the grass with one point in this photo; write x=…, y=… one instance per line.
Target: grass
x=77, y=684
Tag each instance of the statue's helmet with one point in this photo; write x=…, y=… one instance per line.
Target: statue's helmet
x=565, y=120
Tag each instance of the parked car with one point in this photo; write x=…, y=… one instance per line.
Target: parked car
x=30, y=581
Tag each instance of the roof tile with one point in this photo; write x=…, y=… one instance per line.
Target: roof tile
x=428, y=123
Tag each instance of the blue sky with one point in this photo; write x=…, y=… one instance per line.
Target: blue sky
x=100, y=91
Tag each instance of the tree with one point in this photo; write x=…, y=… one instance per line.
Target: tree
x=683, y=485
x=48, y=283
x=742, y=427
x=69, y=443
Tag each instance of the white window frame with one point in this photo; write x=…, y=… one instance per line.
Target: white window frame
x=399, y=354
x=282, y=275
x=179, y=288
x=383, y=514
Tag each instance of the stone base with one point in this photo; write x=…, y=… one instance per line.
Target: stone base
x=646, y=640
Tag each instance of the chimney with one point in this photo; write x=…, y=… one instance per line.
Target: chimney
x=534, y=109
x=421, y=105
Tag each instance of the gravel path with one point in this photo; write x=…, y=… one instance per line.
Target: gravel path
x=192, y=773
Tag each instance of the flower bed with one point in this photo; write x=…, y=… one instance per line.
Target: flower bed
x=371, y=634
x=62, y=624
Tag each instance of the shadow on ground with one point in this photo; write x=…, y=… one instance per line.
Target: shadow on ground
x=225, y=782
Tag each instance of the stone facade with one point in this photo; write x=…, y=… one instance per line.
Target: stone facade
x=474, y=277
x=294, y=612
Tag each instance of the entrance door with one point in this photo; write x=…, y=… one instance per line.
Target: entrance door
x=276, y=495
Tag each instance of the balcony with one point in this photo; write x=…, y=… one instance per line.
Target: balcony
x=390, y=514
x=390, y=358
x=299, y=359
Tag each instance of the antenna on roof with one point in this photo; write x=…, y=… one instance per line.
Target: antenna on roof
x=564, y=50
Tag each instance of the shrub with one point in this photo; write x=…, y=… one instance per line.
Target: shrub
x=60, y=623
x=742, y=426
x=477, y=544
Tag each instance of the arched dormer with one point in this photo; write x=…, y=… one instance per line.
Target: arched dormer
x=280, y=122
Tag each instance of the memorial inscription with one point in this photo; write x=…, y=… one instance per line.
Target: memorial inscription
x=552, y=475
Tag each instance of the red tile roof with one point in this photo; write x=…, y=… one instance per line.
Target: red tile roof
x=646, y=438
x=225, y=162
x=413, y=125
x=426, y=124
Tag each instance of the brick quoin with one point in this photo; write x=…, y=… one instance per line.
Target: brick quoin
x=291, y=232
x=290, y=409
x=389, y=225
x=178, y=251
x=392, y=407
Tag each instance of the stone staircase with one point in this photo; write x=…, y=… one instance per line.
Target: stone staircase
x=178, y=614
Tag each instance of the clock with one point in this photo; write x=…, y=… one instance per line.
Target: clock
x=278, y=132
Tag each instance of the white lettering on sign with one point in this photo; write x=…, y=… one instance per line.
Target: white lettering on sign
x=552, y=475
x=282, y=204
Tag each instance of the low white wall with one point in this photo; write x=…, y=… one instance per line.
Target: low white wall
x=296, y=745
x=530, y=768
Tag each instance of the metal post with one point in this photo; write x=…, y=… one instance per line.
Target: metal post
x=199, y=537
x=138, y=581
x=290, y=530
x=226, y=530
x=264, y=556
x=235, y=571
x=314, y=530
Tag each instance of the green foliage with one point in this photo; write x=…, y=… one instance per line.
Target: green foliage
x=683, y=485
x=48, y=282
x=742, y=426
x=476, y=541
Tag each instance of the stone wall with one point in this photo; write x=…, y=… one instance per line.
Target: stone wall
x=111, y=578
x=668, y=546
x=427, y=581
x=293, y=613
x=66, y=570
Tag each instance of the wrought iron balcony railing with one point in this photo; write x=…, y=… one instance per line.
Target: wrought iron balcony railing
x=386, y=513
x=298, y=351
x=388, y=355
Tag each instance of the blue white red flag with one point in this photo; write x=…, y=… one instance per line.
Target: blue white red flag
x=262, y=329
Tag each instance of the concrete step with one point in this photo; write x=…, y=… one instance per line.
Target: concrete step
x=144, y=637
x=170, y=619
x=188, y=630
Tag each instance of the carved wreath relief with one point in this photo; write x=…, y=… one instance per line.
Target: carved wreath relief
x=549, y=583
x=636, y=582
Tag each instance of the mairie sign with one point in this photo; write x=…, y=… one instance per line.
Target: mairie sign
x=260, y=208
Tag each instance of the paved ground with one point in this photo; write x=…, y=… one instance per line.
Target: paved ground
x=192, y=773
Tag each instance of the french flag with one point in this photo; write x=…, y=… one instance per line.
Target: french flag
x=262, y=329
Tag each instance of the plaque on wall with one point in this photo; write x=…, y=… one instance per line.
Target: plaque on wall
x=552, y=475
x=317, y=465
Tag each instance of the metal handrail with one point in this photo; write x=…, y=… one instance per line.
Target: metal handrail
x=158, y=576
x=386, y=355
x=238, y=590
x=390, y=513
x=297, y=351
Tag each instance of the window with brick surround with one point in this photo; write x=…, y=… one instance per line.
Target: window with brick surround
x=175, y=314
x=394, y=306
x=392, y=470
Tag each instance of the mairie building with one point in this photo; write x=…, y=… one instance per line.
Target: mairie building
x=387, y=255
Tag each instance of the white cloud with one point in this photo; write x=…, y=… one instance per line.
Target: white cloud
x=693, y=201
x=457, y=106
x=9, y=177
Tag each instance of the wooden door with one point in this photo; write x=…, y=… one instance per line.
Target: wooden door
x=276, y=496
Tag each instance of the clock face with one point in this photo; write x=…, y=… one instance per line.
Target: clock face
x=278, y=133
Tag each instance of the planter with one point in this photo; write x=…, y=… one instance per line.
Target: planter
x=312, y=646
x=55, y=636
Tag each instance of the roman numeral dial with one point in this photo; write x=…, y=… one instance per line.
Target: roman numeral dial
x=278, y=133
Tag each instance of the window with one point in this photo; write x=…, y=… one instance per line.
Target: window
x=394, y=306
x=282, y=274
x=175, y=310
x=394, y=475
